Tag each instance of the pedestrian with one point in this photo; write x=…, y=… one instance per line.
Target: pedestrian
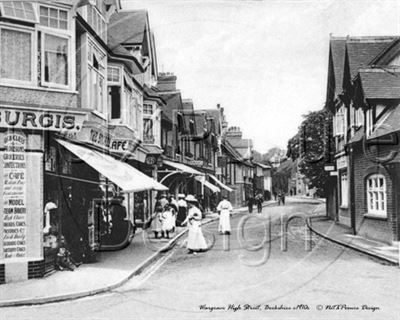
x=174, y=206
x=182, y=210
x=224, y=209
x=163, y=200
x=195, y=241
x=279, y=198
x=156, y=219
x=250, y=202
x=283, y=198
x=167, y=221
x=260, y=200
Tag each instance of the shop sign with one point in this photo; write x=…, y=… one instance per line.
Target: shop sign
x=95, y=136
x=123, y=145
x=196, y=163
x=14, y=196
x=49, y=120
x=341, y=163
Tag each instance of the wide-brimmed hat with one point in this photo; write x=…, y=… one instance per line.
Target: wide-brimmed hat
x=190, y=198
x=181, y=195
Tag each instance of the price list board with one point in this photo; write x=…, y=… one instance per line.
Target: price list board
x=14, y=195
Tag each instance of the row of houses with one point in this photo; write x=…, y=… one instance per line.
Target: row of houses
x=363, y=94
x=88, y=125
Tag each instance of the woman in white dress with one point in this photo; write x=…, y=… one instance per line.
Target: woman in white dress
x=195, y=241
x=167, y=221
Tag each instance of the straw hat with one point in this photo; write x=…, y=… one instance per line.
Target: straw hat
x=190, y=198
x=181, y=195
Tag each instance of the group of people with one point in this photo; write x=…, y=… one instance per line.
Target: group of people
x=280, y=197
x=258, y=200
x=186, y=211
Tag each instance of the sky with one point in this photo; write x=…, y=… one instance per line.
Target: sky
x=264, y=61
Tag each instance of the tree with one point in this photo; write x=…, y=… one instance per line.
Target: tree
x=314, y=148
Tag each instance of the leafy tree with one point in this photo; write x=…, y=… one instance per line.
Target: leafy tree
x=314, y=148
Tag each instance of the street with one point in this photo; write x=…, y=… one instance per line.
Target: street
x=229, y=281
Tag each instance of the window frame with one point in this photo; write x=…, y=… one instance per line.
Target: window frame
x=35, y=12
x=33, y=34
x=53, y=29
x=45, y=83
x=371, y=192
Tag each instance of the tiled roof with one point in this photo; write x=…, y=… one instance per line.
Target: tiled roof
x=390, y=124
x=151, y=92
x=215, y=114
x=173, y=103
x=380, y=84
x=361, y=51
x=338, y=49
x=128, y=27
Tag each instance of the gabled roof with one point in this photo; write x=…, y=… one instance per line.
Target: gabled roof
x=129, y=27
x=232, y=151
x=337, y=54
x=215, y=114
x=390, y=123
x=173, y=104
x=119, y=52
x=362, y=50
x=380, y=84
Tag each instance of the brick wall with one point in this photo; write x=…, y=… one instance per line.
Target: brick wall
x=378, y=229
x=2, y=274
x=36, y=269
x=39, y=98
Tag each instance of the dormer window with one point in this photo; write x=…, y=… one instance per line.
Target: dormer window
x=19, y=10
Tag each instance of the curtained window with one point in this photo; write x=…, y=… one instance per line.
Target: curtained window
x=55, y=51
x=16, y=55
x=376, y=195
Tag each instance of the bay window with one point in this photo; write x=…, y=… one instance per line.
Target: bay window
x=376, y=195
x=96, y=78
x=148, y=135
x=40, y=53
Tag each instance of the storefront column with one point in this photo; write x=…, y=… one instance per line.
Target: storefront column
x=21, y=186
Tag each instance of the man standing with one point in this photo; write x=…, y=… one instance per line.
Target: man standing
x=224, y=208
x=250, y=202
x=260, y=200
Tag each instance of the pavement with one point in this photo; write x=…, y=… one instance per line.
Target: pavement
x=343, y=235
x=110, y=271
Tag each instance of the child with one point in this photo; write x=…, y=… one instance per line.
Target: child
x=63, y=260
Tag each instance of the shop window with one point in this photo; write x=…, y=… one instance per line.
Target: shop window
x=344, y=188
x=54, y=18
x=16, y=55
x=50, y=158
x=19, y=10
x=55, y=60
x=376, y=195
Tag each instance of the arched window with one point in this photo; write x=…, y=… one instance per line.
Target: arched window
x=376, y=195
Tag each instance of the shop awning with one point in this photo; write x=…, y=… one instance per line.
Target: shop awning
x=208, y=184
x=222, y=185
x=122, y=174
x=182, y=167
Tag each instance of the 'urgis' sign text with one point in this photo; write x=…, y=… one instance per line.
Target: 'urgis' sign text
x=40, y=120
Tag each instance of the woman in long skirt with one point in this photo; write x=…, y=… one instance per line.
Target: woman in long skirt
x=156, y=220
x=195, y=241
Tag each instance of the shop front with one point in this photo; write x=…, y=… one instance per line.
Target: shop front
x=23, y=132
